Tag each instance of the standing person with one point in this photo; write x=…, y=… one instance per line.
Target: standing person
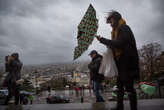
x=77, y=91
x=31, y=98
x=83, y=90
x=96, y=78
x=89, y=88
x=80, y=89
x=14, y=66
x=124, y=49
x=21, y=98
x=25, y=100
x=49, y=89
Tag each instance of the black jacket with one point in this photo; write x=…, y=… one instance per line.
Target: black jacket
x=14, y=69
x=94, y=69
x=128, y=62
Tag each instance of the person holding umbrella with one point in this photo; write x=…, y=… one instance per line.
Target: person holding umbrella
x=125, y=53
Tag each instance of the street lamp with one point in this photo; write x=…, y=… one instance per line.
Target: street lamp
x=36, y=81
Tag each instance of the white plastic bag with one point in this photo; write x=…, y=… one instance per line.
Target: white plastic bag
x=108, y=66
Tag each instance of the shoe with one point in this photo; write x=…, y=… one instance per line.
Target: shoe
x=114, y=108
x=100, y=101
x=117, y=108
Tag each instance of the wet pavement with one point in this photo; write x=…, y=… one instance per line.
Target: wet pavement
x=155, y=104
x=87, y=96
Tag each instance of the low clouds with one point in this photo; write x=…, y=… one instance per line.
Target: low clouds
x=158, y=24
x=44, y=31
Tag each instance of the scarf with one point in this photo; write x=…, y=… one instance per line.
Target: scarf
x=116, y=51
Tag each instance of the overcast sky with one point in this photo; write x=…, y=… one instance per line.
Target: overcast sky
x=44, y=31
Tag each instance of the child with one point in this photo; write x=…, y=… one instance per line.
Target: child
x=31, y=98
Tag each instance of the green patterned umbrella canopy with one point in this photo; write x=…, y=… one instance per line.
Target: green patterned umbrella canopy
x=147, y=89
x=87, y=29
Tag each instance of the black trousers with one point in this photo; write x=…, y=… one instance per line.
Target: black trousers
x=128, y=86
x=13, y=91
x=21, y=97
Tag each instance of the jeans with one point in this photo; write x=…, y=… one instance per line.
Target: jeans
x=96, y=89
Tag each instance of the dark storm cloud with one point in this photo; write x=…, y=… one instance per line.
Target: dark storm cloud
x=25, y=7
x=23, y=29
x=158, y=5
x=158, y=25
x=145, y=17
x=44, y=31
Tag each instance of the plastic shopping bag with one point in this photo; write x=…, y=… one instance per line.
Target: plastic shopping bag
x=108, y=66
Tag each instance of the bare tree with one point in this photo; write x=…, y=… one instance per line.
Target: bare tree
x=148, y=55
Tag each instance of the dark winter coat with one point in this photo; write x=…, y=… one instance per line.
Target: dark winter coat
x=128, y=62
x=94, y=69
x=14, y=69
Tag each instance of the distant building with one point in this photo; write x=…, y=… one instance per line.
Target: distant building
x=38, y=81
x=80, y=78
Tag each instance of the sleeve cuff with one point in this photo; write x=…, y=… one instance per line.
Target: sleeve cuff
x=101, y=40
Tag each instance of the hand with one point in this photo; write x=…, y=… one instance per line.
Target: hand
x=90, y=62
x=98, y=37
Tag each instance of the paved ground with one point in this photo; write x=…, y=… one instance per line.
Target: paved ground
x=88, y=97
x=155, y=104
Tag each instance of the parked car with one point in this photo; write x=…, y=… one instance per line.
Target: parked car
x=3, y=95
x=57, y=99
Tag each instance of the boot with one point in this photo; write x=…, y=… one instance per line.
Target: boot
x=118, y=107
x=133, y=101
